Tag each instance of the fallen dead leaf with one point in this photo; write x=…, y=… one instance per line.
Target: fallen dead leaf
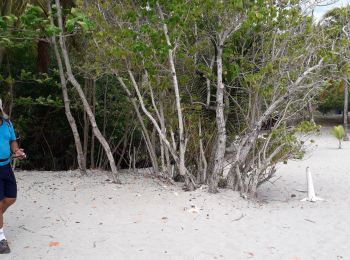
x=54, y=243
x=250, y=254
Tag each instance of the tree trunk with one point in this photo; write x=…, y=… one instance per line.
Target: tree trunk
x=150, y=147
x=86, y=105
x=11, y=87
x=144, y=109
x=147, y=138
x=2, y=55
x=203, y=160
x=220, y=146
x=311, y=112
x=182, y=143
x=346, y=108
x=70, y=118
x=166, y=151
x=86, y=121
x=208, y=82
x=43, y=56
x=100, y=153
x=125, y=145
x=92, y=151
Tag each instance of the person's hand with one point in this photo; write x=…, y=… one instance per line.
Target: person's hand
x=19, y=154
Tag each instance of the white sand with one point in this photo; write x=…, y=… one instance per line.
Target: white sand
x=144, y=219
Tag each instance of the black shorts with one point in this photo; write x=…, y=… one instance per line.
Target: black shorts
x=8, y=186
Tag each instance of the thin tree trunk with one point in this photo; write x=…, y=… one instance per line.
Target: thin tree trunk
x=87, y=108
x=146, y=112
x=134, y=161
x=2, y=55
x=182, y=144
x=221, y=126
x=86, y=121
x=70, y=118
x=11, y=98
x=208, y=82
x=43, y=58
x=100, y=153
x=11, y=83
x=311, y=112
x=125, y=144
x=346, y=108
x=92, y=151
x=166, y=151
x=203, y=160
x=161, y=121
x=150, y=148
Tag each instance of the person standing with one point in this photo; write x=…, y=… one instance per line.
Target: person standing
x=8, y=186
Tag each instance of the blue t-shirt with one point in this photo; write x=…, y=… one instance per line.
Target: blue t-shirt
x=7, y=135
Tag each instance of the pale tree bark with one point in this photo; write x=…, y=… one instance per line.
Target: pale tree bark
x=166, y=167
x=203, y=160
x=182, y=143
x=221, y=126
x=171, y=148
x=125, y=145
x=345, y=30
x=86, y=120
x=208, y=82
x=92, y=151
x=160, y=116
x=246, y=170
x=147, y=138
x=311, y=111
x=70, y=118
x=80, y=91
x=163, y=128
x=100, y=153
x=150, y=147
x=217, y=161
x=346, y=108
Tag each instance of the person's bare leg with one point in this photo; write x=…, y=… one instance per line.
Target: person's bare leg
x=4, y=247
x=6, y=203
x=1, y=214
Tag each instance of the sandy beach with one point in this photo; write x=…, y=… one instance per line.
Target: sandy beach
x=60, y=215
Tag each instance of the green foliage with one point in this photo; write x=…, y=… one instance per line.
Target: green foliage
x=272, y=47
x=77, y=19
x=339, y=133
x=306, y=127
x=335, y=26
x=331, y=97
x=33, y=17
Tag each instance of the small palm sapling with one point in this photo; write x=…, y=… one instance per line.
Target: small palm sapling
x=338, y=132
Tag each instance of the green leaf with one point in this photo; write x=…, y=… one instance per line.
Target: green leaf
x=84, y=25
x=70, y=25
x=9, y=80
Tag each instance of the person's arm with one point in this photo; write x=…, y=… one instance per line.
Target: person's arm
x=14, y=146
x=18, y=152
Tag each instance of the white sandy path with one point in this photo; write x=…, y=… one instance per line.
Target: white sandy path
x=143, y=219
